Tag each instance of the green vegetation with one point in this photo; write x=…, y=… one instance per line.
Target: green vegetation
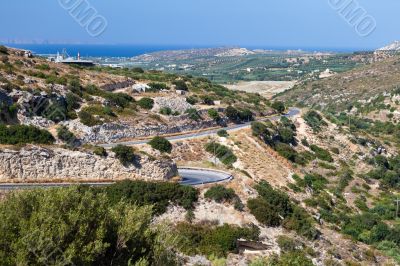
x=180, y=85
x=273, y=208
x=220, y=194
x=223, y=133
x=158, y=194
x=146, y=103
x=321, y=153
x=161, y=144
x=88, y=119
x=67, y=136
x=100, y=151
x=49, y=227
x=157, y=86
x=314, y=120
x=210, y=239
x=238, y=116
x=223, y=153
x=21, y=134
x=214, y=114
x=125, y=154
x=278, y=106
x=193, y=114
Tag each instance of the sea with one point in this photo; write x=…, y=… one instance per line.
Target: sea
x=98, y=50
x=122, y=50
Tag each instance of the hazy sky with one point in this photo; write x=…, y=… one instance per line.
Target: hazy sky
x=262, y=23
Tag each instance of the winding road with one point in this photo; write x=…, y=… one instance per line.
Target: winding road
x=292, y=112
x=190, y=176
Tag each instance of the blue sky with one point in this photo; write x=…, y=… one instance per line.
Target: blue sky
x=251, y=23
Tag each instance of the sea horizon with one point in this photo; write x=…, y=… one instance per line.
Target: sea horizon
x=132, y=50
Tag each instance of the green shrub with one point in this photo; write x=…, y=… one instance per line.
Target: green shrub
x=222, y=152
x=73, y=101
x=223, y=133
x=67, y=136
x=158, y=194
x=146, y=103
x=125, y=154
x=191, y=100
x=208, y=239
x=161, y=144
x=220, y=194
x=21, y=134
x=122, y=100
x=88, y=119
x=157, y=86
x=321, y=154
x=214, y=114
x=314, y=120
x=278, y=106
x=166, y=111
x=76, y=226
x=193, y=114
x=100, y=151
x=180, y=85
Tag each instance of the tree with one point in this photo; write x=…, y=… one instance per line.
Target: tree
x=193, y=114
x=125, y=154
x=146, y=103
x=232, y=113
x=161, y=144
x=88, y=119
x=214, y=114
x=180, y=85
x=278, y=106
x=220, y=194
x=67, y=136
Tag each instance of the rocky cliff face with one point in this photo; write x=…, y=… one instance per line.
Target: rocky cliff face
x=36, y=164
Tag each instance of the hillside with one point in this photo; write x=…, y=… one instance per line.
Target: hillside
x=363, y=88
x=310, y=189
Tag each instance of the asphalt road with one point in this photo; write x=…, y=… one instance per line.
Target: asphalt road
x=292, y=112
x=193, y=177
x=190, y=177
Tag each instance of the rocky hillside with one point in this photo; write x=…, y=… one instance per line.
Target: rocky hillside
x=361, y=88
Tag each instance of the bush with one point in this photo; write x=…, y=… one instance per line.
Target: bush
x=161, y=144
x=214, y=114
x=223, y=133
x=21, y=134
x=67, y=136
x=156, y=86
x=232, y=113
x=125, y=154
x=193, y=114
x=208, y=239
x=146, y=103
x=122, y=100
x=321, y=154
x=166, y=111
x=222, y=152
x=76, y=226
x=273, y=208
x=191, y=100
x=314, y=120
x=88, y=119
x=73, y=101
x=100, y=151
x=158, y=194
x=180, y=85
x=279, y=106
x=220, y=194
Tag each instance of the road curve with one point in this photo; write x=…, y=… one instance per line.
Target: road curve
x=292, y=112
x=190, y=177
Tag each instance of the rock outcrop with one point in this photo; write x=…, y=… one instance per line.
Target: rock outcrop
x=176, y=104
x=37, y=164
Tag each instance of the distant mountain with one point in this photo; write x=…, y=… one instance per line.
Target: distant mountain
x=395, y=46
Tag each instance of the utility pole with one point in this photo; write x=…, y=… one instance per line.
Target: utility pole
x=397, y=208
